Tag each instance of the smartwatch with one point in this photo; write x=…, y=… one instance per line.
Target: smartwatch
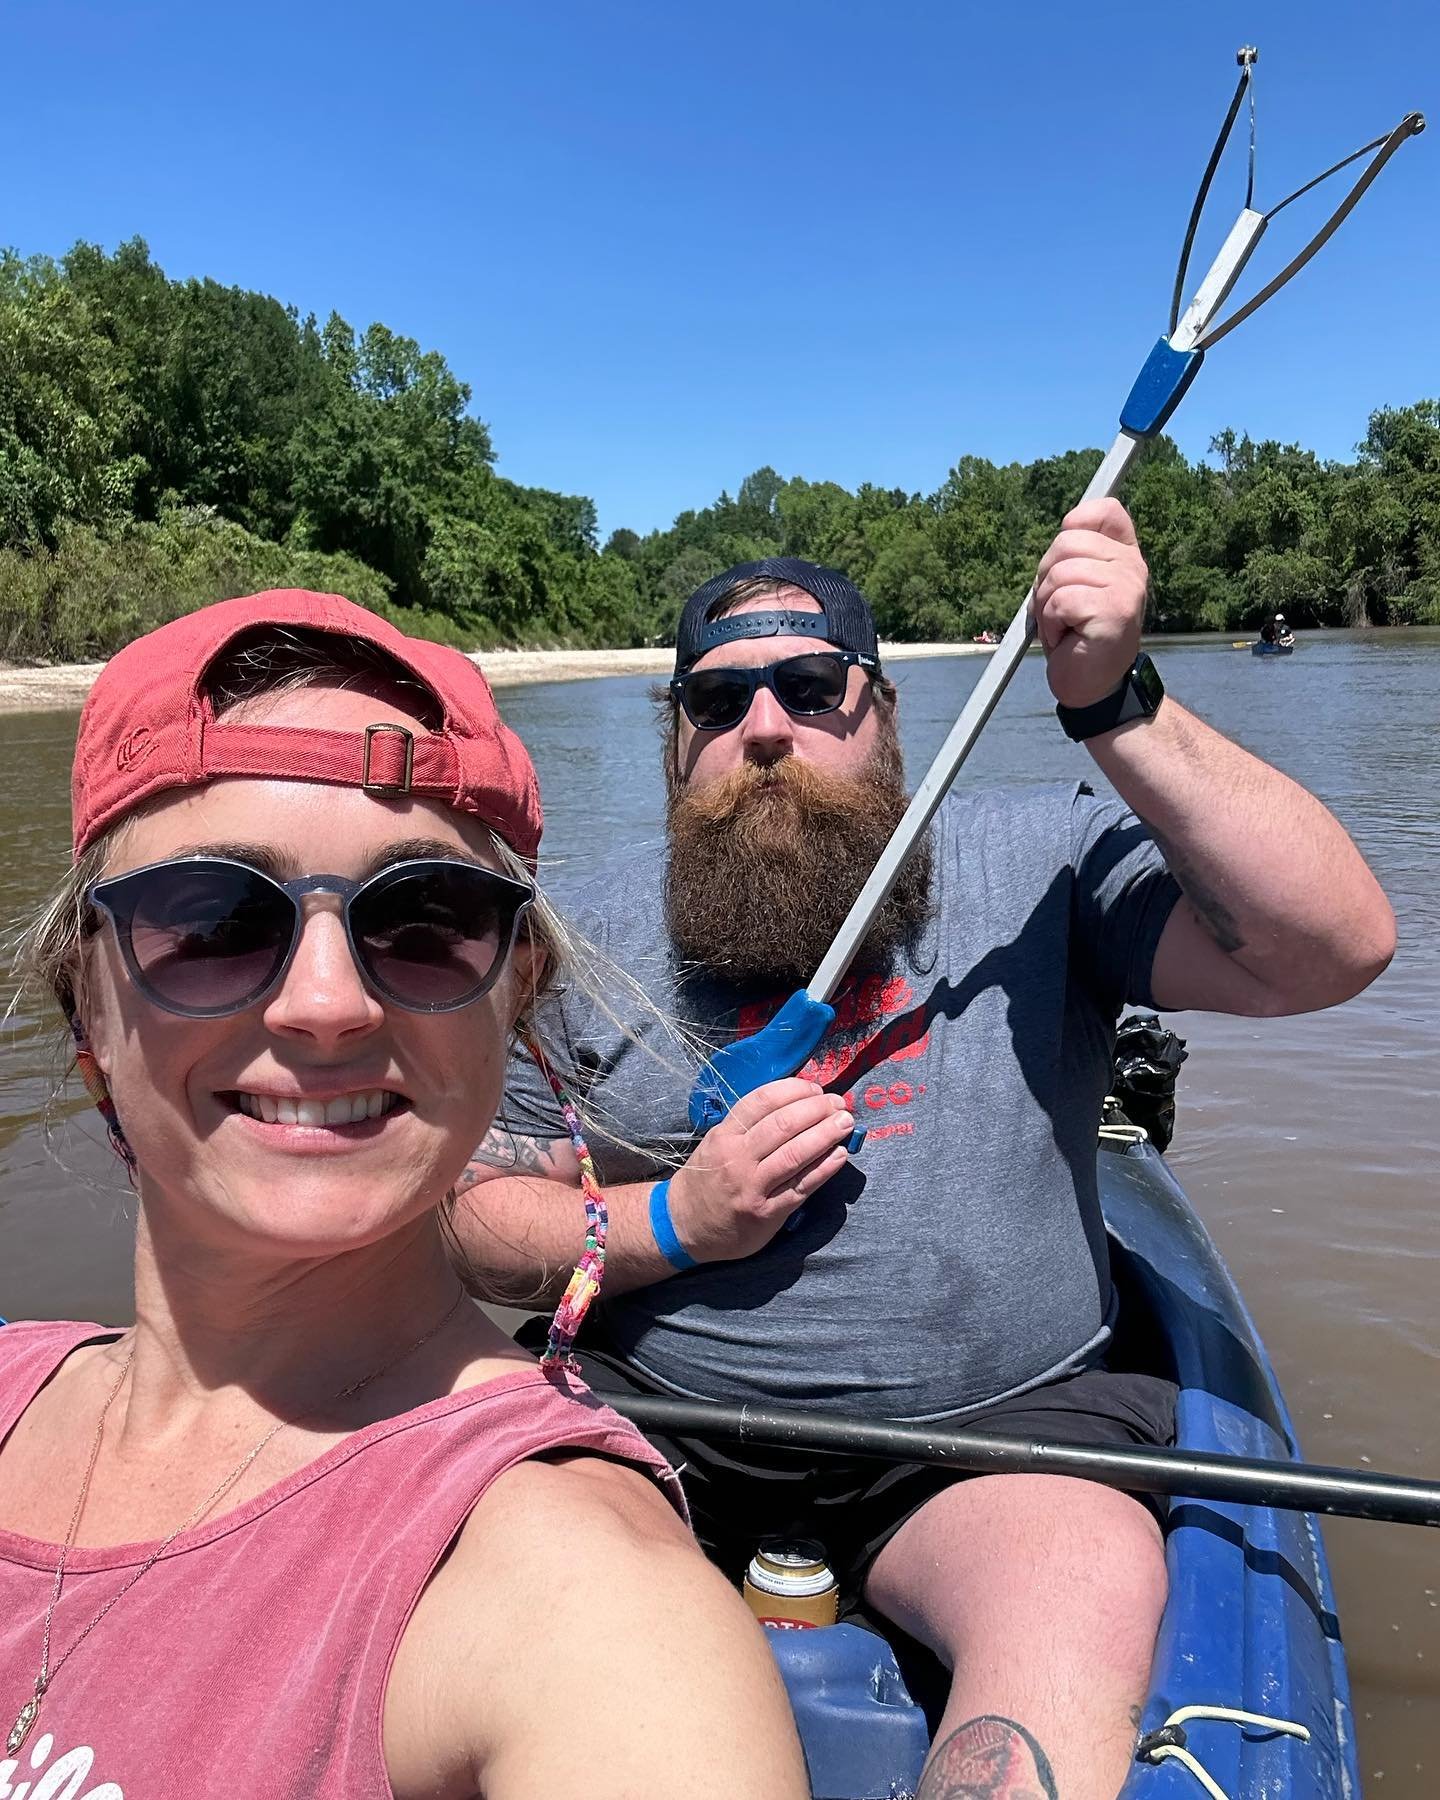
x=1137, y=697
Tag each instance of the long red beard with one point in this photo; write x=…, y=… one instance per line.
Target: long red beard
x=766, y=863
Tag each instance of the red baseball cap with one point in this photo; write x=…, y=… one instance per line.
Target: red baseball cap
x=148, y=725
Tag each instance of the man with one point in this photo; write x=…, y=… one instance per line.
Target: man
x=955, y=1266
x=1276, y=631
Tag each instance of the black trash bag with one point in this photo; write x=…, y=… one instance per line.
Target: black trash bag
x=1148, y=1056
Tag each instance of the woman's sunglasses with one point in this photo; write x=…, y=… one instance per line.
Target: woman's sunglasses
x=806, y=686
x=205, y=937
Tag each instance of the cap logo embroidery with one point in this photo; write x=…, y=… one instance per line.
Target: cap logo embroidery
x=134, y=749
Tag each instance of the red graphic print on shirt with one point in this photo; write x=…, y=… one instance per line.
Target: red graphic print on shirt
x=878, y=1023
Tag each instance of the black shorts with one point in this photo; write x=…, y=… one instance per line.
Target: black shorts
x=854, y=1505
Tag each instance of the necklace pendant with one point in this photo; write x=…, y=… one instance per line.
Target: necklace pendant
x=20, y=1730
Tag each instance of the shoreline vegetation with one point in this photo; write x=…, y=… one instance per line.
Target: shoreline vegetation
x=165, y=444
x=62, y=687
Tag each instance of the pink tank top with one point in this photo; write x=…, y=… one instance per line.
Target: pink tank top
x=253, y=1657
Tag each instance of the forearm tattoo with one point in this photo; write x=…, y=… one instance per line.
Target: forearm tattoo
x=1207, y=906
x=988, y=1758
x=503, y=1151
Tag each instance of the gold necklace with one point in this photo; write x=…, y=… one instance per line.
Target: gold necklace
x=30, y=1711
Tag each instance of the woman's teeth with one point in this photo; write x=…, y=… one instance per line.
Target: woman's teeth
x=345, y=1109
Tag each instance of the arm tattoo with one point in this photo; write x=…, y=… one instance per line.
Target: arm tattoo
x=988, y=1758
x=1208, y=907
x=500, y=1152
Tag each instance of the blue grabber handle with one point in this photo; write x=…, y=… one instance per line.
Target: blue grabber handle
x=776, y=1050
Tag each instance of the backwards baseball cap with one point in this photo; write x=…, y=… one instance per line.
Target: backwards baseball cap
x=149, y=725
x=845, y=619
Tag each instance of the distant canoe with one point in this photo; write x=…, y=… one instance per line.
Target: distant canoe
x=1273, y=649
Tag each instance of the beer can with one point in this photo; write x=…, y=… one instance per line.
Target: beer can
x=791, y=1586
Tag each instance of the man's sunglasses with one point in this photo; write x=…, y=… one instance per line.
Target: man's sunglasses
x=205, y=937
x=806, y=686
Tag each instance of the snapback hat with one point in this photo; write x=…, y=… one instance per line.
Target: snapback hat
x=845, y=619
x=149, y=725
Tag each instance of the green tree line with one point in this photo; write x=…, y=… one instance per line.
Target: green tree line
x=167, y=443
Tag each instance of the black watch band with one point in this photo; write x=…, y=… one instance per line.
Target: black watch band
x=1137, y=697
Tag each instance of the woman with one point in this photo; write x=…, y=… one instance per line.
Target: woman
x=313, y=1527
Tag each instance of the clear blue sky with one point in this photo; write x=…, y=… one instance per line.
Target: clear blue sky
x=666, y=243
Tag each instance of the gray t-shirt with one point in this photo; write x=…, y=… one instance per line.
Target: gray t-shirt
x=961, y=1256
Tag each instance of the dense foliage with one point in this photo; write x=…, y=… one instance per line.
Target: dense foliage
x=166, y=443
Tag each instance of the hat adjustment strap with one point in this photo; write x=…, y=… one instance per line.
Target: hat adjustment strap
x=761, y=624
x=387, y=759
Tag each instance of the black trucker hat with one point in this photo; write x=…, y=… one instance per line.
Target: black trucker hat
x=844, y=621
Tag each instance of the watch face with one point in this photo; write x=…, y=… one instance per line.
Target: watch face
x=1145, y=679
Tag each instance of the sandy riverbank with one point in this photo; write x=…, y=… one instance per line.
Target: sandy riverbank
x=65, y=685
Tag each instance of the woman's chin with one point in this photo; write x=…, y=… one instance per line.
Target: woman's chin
x=259, y=1191
x=313, y=1220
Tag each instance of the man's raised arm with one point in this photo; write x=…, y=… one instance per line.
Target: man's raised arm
x=520, y=1223
x=1280, y=912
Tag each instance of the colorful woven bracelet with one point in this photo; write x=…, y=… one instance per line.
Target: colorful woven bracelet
x=589, y=1274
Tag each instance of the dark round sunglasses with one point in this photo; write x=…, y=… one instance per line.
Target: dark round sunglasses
x=806, y=686
x=205, y=937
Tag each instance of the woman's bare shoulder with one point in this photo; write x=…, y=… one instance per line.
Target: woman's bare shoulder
x=565, y=1567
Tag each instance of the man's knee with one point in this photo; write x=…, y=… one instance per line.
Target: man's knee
x=1014, y=1553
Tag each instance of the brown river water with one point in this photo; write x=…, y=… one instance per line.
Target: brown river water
x=1310, y=1146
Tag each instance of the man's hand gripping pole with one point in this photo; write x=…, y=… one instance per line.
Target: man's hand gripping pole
x=779, y=1049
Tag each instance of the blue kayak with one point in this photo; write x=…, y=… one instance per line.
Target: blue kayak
x=1264, y=649
x=1250, y=1623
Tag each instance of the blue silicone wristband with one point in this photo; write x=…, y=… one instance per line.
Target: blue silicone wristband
x=662, y=1229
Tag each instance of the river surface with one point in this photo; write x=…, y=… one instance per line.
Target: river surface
x=1310, y=1146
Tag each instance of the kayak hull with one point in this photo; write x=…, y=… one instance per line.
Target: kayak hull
x=1272, y=649
x=1250, y=1622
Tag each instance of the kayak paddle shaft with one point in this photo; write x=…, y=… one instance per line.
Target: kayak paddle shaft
x=1192, y=1474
